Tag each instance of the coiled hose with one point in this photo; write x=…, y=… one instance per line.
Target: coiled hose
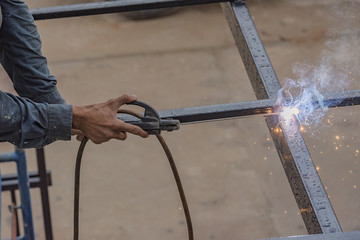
x=173, y=168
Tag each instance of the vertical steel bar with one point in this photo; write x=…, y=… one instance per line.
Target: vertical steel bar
x=331, y=236
x=24, y=189
x=0, y=200
x=310, y=195
x=14, y=203
x=40, y=155
x=258, y=66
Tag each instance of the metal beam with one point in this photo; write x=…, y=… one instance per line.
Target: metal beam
x=220, y=111
x=342, y=99
x=310, y=195
x=256, y=61
x=332, y=236
x=247, y=109
x=308, y=190
x=86, y=9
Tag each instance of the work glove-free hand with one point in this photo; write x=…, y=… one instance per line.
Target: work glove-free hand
x=99, y=123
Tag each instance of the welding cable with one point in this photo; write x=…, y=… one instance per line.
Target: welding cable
x=173, y=168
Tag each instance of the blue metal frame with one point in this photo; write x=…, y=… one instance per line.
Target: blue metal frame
x=24, y=189
x=0, y=204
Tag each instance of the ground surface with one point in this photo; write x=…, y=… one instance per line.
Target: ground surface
x=231, y=173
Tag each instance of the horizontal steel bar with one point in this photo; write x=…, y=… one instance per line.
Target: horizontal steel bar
x=8, y=157
x=331, y=236
x=245, y=109
x=342, y=99
x=86, y=9
x=11, y=182
x=220, y=111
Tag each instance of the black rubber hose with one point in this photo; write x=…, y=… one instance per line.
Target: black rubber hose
x=77, y=187
x=173, y=168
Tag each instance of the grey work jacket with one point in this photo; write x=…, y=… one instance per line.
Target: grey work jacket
x=39, y=115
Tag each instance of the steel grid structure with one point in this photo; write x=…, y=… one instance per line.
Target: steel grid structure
x=310, y=195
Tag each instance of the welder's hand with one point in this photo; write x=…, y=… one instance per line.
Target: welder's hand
x=78, y=133
x=99, y=122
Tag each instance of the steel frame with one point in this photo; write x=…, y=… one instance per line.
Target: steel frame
x=310, y=195
x=18, y=157
x=38, y=179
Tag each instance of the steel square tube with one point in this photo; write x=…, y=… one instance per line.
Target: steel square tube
x=342, y=99
x=87, y=9
x=308, y=190
x=246, y=109
x=45, y=201
x=257, y=63
x=10, y=182
x=219, y=112
x=331, y=236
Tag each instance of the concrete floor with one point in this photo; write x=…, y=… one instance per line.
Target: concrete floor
x=231, y=173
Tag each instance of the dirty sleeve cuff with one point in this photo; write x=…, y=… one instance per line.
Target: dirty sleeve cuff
x=60, y=122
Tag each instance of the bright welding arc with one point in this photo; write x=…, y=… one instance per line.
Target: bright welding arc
x=287, y=113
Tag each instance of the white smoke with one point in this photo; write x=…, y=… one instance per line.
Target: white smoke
x=338, y=67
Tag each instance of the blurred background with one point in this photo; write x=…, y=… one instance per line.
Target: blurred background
x=233, y=179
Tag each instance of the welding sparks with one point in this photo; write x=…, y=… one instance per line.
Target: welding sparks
x=287, y=113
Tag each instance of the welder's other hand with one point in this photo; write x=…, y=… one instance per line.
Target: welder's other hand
x=99, y=122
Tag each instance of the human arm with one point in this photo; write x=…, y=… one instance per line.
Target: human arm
x=21, y=56
x=28, y=124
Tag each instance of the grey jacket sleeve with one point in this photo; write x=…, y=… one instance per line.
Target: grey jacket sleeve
x=21, y=56
x=28, y=124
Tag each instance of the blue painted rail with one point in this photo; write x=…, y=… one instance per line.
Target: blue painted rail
x=24, y=189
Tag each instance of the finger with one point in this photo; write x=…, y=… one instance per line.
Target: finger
x=79, y=134
x=136, y=130
x=80, y=137
x=121, y=135
x=126, y=98
x=76, y=132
